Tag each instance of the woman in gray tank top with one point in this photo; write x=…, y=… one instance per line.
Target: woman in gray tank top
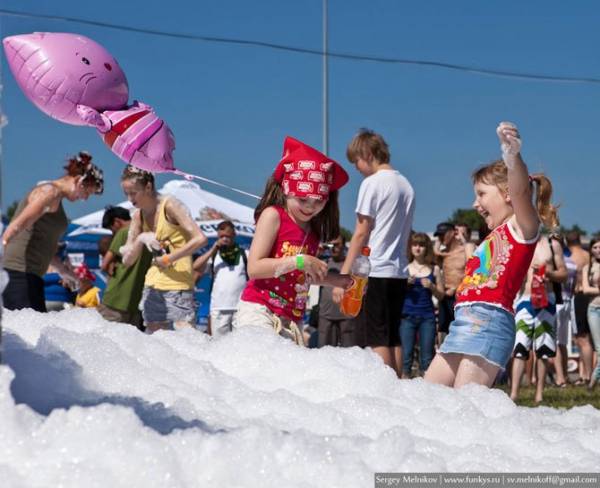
x=31, y=239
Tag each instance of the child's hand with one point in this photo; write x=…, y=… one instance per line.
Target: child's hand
x=344, y=281
x=450, y=292
x=337, y=295
x=314, y=268
x=510, y=142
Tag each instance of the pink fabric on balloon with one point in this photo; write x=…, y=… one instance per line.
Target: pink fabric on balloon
x=138, y=136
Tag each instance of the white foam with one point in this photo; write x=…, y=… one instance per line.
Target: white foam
x=85, y=402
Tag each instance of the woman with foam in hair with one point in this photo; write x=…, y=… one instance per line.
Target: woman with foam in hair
x=31, y=239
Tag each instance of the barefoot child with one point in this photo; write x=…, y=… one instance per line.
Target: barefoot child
x=482, y=335
x=299, y=207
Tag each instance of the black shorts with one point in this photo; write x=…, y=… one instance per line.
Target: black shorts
x=24, y=290
x=378, y=322
x=581, y=302
x=446, y=313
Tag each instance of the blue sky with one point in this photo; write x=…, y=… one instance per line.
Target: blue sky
x=231, y=106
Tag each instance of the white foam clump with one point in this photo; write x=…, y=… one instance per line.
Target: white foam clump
x=85, y=402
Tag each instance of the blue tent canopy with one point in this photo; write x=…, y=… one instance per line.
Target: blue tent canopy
x=84, y=247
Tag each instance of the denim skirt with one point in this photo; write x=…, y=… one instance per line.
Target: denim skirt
x=482, y=330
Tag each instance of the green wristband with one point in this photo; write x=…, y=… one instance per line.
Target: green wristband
x=300, y=262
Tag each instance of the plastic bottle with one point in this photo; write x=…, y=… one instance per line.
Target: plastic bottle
x=539, y=297
x=353, y=296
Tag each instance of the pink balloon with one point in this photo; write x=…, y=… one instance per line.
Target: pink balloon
x=77, y=81
x=58, y=71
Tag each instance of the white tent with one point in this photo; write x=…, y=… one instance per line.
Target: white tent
x=206, y=208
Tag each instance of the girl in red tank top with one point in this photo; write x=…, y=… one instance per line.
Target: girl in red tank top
x=482, y=336
x=299, y=207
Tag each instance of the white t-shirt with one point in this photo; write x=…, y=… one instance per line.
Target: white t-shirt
x=229, y=282
x=389, y=199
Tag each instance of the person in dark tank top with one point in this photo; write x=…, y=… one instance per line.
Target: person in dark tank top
x=418, y=314
x=31, y=239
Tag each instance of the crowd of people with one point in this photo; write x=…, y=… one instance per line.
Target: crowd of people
x=472, y=312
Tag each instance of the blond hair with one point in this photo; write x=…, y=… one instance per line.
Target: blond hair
x=496, y=173
x=368, y=145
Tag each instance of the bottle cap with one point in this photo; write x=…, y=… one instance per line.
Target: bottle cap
x=366, y=251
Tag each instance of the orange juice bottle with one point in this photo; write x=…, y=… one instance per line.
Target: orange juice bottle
x=353, y=296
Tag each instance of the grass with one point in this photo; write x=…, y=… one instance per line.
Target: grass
x=555, y=397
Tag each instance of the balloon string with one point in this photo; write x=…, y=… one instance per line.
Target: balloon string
x=190, y=177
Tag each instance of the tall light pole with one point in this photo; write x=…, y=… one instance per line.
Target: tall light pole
x=325, y=83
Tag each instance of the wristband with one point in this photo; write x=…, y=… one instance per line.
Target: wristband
x=300, y=262
x=166, y=260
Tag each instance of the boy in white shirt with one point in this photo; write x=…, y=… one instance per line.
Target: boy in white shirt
x=384, y=215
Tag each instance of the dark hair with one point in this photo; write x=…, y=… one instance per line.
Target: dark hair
x=594, y=240
x=326, y=224
x=342, y=237
x=368, y=145
x=81, y=165
x=496, y=173
x=462, y=224
x=421, y=238
x=111, y=213
x=138, y=175
x=573, y=237
x=226, y=224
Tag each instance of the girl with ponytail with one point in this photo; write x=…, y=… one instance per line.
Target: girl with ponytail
x=482, y=336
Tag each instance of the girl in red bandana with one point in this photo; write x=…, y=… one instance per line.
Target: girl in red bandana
x=299, y=208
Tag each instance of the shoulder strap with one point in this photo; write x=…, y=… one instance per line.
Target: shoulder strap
x=245, y=258
x=552, y=251
x=212, y=275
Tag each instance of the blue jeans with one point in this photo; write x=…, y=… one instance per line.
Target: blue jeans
x=593, y=316
x=409, y=327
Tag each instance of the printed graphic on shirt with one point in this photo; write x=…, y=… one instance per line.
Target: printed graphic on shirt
x=291, y=289
x=488, y=263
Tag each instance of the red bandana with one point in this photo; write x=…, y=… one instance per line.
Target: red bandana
x=83, y=272
x=305, y=172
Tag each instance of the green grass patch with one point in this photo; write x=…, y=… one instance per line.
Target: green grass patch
x=555, y=397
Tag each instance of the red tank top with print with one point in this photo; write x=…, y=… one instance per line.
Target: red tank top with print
x=286, y=295
x=495, y=272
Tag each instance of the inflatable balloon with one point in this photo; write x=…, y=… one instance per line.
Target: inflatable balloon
x=58, y=71
x=75, y=80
